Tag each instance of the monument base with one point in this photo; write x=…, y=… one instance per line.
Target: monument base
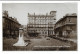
x=20, y=42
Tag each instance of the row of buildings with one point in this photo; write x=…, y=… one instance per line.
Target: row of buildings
x=67, y=26
x=42, y=25
x=46, y=25
x=10, y=25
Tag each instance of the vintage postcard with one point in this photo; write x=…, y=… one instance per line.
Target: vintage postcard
x=39, y=26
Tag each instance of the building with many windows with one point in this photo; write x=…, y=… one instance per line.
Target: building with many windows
x=67, y=26
x=41, y=25
x=10, y=26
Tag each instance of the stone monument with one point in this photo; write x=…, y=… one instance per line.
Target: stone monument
x=20, y=41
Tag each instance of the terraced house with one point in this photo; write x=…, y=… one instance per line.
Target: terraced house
x=67, y=26
x=10, y=26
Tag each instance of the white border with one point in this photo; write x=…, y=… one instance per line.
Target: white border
x=38, y=1
x=39, y=52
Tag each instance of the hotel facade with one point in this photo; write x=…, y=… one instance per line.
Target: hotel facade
x=41, y=25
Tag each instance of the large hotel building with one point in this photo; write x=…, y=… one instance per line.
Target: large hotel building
x=41, y=25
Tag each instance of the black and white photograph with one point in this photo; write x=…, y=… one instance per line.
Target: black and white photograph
x=39, y=26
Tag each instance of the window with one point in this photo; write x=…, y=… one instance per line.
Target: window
x=45, y=32
x=69, y=20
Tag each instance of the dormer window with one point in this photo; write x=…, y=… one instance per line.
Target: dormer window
x=69, y=20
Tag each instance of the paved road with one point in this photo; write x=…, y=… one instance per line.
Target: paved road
x=39, y=43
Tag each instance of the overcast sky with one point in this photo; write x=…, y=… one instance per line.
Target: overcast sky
x=21, y=10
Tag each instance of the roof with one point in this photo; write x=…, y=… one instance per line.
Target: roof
x=40, y=16
x=12, y=19
x=67, y=15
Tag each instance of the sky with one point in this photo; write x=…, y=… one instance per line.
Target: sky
x=21, y=10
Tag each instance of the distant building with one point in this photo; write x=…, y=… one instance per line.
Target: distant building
x=25, y=30
x=67, y=26
x=10, y=26
x=42, y=25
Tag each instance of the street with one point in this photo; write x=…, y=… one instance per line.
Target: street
x=43, y=43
